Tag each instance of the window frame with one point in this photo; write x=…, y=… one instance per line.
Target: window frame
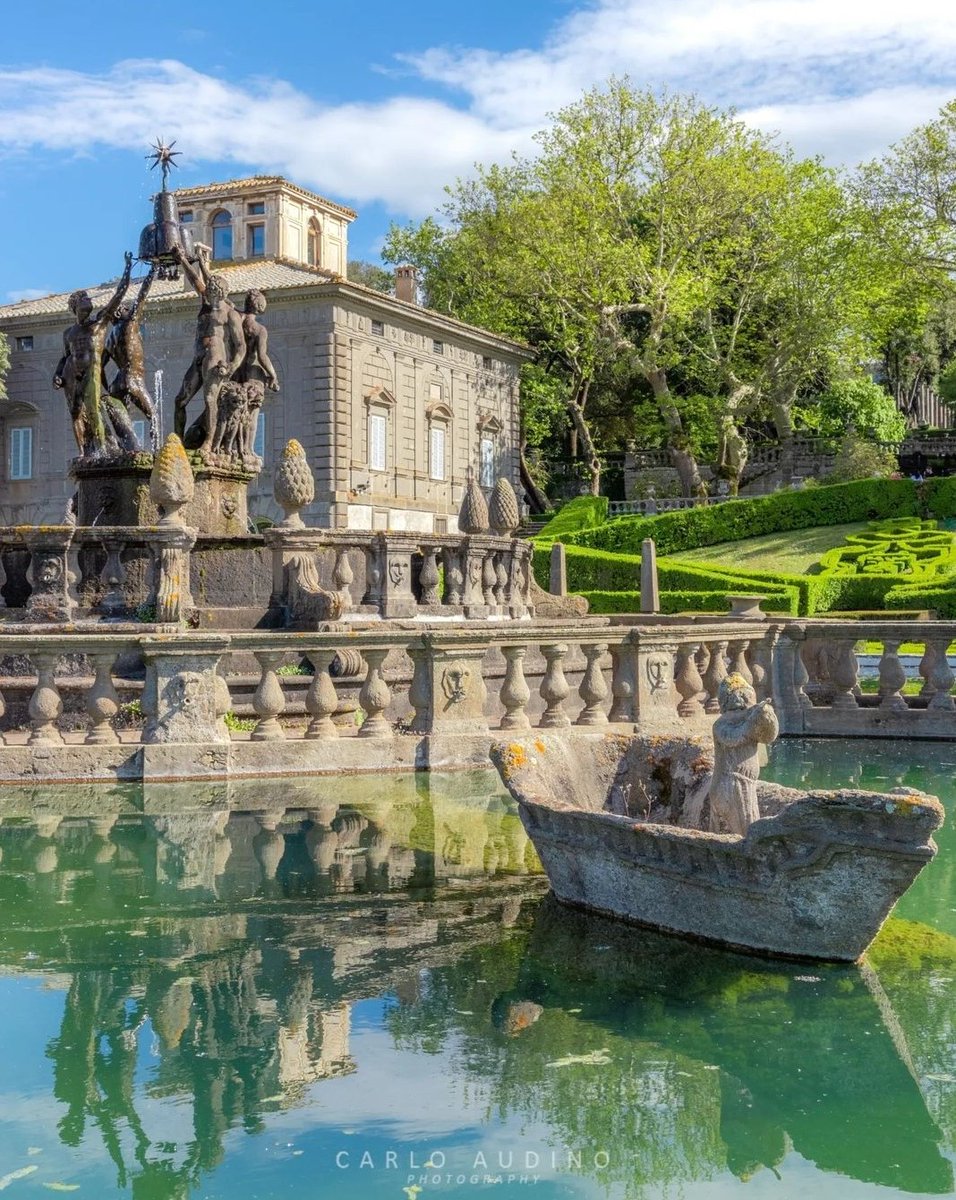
x=14, y=464
x=377, y=414
x=438, y=428
x=225, y=228
x=486, y=477
x=24, y=343
x=251, y=231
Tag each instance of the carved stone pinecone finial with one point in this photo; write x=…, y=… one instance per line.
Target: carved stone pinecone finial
x=503, y=510
x=294, y=486
x=171, y=484
x=473, y=515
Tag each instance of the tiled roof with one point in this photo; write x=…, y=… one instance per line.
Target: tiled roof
x=266, y=274
x=254, y=182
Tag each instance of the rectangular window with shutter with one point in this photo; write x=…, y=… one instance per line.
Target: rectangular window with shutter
x=377, y=435
x=21, y=453
x=486, y=469
x=436, y=461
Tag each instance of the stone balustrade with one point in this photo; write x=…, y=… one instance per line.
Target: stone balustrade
x=817, y=681
x=463, y=688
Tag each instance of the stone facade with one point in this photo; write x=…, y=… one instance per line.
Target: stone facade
x=391, y=402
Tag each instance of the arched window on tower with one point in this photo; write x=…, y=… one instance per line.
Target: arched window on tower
x=315, y=244
x=222, y=235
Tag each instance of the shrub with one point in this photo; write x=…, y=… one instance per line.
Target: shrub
x=937, y=594
x=691, y=528
x=676, y=602
x=583, y=512
x=858, y=458
x=904, y=546
x=859, y=403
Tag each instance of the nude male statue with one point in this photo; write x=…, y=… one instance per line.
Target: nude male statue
x=80, y=371
x=220, y=348
x=124, y=345
x=256, y=368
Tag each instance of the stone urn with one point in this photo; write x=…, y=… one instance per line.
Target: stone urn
x=473, y=514
x=171, y=484
x=503, y=513
x=294, y=486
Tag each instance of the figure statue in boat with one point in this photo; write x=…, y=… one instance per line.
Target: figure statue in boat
x=219, y=351
x=241, y=398
x=740, y=730
x=79, y=373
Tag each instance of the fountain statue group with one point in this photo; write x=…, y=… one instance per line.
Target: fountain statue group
x=231, y=367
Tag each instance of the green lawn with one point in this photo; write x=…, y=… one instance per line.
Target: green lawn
x=791, y=552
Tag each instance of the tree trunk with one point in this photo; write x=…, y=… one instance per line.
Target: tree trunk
x=781, y=406
x=537, y=500
x=584, y=440
x=677, y=444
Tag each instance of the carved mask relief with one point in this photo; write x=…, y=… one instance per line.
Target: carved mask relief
x=658, y=670
x=398, y=571
x=454, y=682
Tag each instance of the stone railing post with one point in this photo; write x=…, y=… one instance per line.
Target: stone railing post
x=49, y=574
x=395, y=555
x=170, y=546
x=788, y=675
x=655, y=698
x=449, y=690
x=181, y=694
x=623, y=681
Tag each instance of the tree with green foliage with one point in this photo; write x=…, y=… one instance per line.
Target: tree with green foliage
x=370, y=275
x=860, y=405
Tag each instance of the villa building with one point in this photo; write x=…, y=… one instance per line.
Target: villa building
x=391, y=401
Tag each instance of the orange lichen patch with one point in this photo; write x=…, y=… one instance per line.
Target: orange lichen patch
x=539, y=746
x=514, y=758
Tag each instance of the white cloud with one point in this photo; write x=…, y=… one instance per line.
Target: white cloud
x=19, y=294
x=841, y=77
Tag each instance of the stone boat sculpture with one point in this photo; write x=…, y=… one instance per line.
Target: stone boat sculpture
x=631, y=826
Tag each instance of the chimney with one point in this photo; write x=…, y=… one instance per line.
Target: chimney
x=406, y=284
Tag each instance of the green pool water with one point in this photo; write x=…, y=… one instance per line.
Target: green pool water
x=359, y=988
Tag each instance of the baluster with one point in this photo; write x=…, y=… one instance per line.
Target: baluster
x=843, y=674
x=623, y=683
x=112, y=578
x=373, y=575
x=488, y=579
x=222, y=701
x=343, y=577
x=715, y=675
x=3, y=578
x=759, y=660
x=593, y=689
x=738, y=660
x=926, y=666
x=554, y=687
x=375, y=696
x=801, y=678
x=501, y=581
x=687, y=680
x=321, y=700
x=892, y=676
x=515, y=692
x=3, y=740
x=454, y=580
x=428, y=576
x=45, y=704
x=268, y=701
x=942, y=678
x=102, y=702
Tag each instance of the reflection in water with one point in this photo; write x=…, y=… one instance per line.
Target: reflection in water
x=210, y=961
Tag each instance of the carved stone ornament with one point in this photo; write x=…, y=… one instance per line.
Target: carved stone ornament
x=171, y=484
x=398, y=571
x=454, y=682
x=294, y=486
x=658, y=672
x=473, y=515
x=503, y=511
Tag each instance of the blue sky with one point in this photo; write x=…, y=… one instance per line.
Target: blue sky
x=378, y=105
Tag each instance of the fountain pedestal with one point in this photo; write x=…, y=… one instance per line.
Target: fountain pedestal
x=116, y=492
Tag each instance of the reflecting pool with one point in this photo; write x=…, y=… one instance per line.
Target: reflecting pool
x=358, y=988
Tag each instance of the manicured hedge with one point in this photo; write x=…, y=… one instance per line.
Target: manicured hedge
x=675, y=602
x=939, y=595
x=906, y=547
x=583, y=512
x=939, y=497
x=689, y=529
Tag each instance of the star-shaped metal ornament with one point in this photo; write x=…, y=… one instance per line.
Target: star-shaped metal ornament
x=164, y=157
